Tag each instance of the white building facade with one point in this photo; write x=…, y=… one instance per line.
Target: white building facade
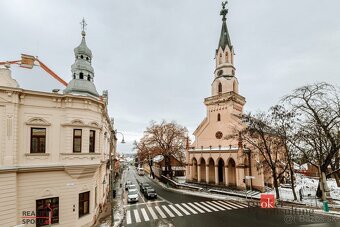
x=54, y=150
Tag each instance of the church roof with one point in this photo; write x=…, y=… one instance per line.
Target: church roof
x=224, y=38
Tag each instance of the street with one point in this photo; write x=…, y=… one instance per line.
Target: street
x=178, y=209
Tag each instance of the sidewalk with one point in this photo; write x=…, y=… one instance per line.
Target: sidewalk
x=104, y=219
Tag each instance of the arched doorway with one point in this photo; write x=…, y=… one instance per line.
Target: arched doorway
x=203, y=170
x=221, y=176
x=232, y=173
x=211, y=171
x=194, y=169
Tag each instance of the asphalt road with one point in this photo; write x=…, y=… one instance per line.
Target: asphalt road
x=181, y=210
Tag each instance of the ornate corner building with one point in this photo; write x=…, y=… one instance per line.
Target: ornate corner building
x=216, y=157
x=54, y=149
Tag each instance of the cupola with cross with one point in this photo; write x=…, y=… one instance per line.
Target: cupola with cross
x=82, y=70
x=224, y=74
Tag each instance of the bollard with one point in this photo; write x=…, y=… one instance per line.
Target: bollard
x=325, y=206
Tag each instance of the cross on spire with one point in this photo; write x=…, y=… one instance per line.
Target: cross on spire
x=224, y=11
x=83, y=26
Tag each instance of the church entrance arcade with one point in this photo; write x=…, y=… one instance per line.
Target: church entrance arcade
x=221, y=171
x=202, y=170
x=232, y=173
x=211, y=171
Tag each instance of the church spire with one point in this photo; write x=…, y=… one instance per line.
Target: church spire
x=224, y=38
x=82, y=70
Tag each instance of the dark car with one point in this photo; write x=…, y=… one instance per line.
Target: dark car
x=150, y=193
x=144, y=185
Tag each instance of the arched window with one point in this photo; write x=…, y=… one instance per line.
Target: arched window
x=226, y=57
x=218, y=117
x=88, y=77
x=81, y=56
x=219, y=88
x=81, y=76
x=220, y=59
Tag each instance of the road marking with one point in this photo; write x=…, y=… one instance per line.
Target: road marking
x=145, y=215
x=160, y=211
x=137, y=215
x=168, y=211
x=194, y=206
x=189, y=208
x=229, y=205
x=241, y=205
x=210, y=207
x=232, y=204
x=183, y=210
x=176, y=211
x=153, y=214
x=216, y=206
x=128, y=217
x=222, y=205
x=203, y=207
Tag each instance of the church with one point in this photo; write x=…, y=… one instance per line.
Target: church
x=213, y=159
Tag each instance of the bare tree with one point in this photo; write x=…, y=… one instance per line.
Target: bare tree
x=283, y=124
x=261, y=135
x=167, y=139
x=318, y=137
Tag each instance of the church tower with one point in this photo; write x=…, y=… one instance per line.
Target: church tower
x=82, y=70
x=225, y=104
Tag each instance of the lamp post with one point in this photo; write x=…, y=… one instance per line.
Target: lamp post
x=113, y=144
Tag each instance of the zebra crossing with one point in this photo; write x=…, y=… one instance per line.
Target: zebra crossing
x=181, y=209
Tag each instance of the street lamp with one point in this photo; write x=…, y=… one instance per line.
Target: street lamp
x=112, y=164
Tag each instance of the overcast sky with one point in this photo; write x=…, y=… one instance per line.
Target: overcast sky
x=156, y=57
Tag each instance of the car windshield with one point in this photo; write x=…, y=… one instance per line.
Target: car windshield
x=132, y=192
x=132, y=186
x=151, y=190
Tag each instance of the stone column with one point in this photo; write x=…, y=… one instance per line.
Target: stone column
x=198, y=172
x=207, y=173
x=226, y=176
x=190, y=174
x=216, y=175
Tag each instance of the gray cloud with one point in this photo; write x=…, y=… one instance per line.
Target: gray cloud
x=156, y=57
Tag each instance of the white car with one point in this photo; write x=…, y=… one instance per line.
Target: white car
x=132, y=195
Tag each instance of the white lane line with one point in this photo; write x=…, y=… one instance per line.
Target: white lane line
x=232, y=203
x=183, y=210
x=214, y=205
x=210, y=207
x=168, y=211
x=242, y=205
x=203, y=207
x=194, y=206
x=153, y=214
x=229, y=205
x=145, y=215
x=176, y=211
x=222, y=205
x=128, y=217
x=137, y=216
x=189, y=208
x=160, y=212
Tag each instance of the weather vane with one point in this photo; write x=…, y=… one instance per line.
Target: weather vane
x=83, y=26
x=224, y=11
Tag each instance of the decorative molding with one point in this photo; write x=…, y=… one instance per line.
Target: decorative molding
x=80, y=123
x=77, y=172
x=80, y=156
x=37, y=121
x=37, y=156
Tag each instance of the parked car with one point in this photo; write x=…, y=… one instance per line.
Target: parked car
x=132, y=195
x=150, y=193
x=140, y=171
x=143, y=186
x=132, y=186
x=127, y=183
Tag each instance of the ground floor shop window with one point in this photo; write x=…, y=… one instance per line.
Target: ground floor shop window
x=47, y=211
